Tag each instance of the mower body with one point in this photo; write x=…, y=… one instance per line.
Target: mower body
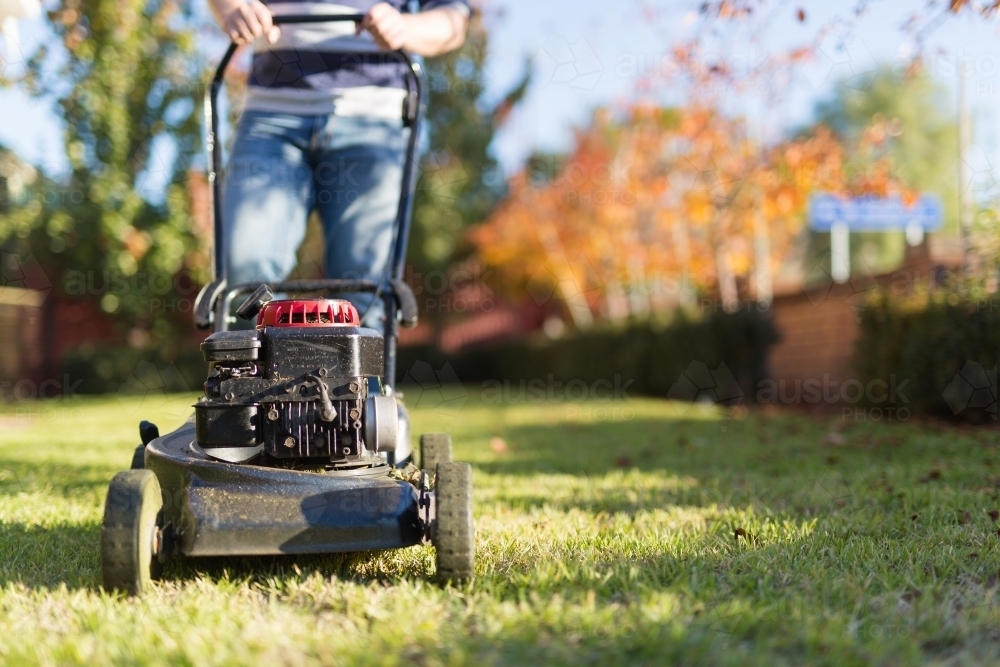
x=288, y=448
x=297, y=445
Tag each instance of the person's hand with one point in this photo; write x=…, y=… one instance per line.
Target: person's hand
x=387, y=26
x=249, y=21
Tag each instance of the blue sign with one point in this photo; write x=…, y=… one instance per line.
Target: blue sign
x=874, y=214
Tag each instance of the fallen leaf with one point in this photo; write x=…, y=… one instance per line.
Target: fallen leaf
x=933, y=474
x=498, y=445
x=740, y=533
x=833, y=438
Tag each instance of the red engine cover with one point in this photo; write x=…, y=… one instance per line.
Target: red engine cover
x=308, y=313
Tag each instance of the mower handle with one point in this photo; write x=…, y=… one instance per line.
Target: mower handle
x=399, y=289
x=394, y=296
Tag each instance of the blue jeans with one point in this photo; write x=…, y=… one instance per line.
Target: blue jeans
x=283, y=166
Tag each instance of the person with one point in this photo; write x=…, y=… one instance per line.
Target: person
x=322, y=129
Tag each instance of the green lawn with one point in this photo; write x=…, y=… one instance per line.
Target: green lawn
x=606, y=535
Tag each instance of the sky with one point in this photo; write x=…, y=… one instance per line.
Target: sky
x=588, y=53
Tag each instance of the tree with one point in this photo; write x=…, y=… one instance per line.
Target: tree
x=460, y=181
x=658, y=205
x=899, y=118
x=127, y=81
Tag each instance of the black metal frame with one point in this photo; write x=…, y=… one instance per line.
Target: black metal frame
x=214, y=302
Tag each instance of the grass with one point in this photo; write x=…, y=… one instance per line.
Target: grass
x=607, y=534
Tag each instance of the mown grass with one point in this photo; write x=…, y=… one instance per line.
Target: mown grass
x=607, y=535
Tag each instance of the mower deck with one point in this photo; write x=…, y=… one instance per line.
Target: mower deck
x=223, y=509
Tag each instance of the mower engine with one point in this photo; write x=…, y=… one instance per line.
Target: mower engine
x=302, y=388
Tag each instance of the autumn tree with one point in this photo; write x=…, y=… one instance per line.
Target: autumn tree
x=659, y=206
x=460, y=181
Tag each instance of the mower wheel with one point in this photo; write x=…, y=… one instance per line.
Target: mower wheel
x=129, y=535
x=139, y=458
x=435, y=448
x=454, y=534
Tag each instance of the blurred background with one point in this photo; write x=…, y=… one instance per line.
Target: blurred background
x=621, y=193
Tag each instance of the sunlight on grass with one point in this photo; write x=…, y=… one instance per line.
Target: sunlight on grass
x=634, y=532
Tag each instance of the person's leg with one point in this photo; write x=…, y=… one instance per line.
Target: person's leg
x=357, y=185
x=267, y=195
x=357, y=178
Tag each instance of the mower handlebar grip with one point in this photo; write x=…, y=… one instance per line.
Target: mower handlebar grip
x=408, y=311
x=204, y=304
x=317, y=18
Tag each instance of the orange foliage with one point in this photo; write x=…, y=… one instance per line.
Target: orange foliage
x=675, y=196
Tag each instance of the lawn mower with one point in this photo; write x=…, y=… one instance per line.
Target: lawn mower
x=300, y=444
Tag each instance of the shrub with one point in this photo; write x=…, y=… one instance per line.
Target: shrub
x=946, y=344
x=646, y=357
x=122, y=369
x=650, y=355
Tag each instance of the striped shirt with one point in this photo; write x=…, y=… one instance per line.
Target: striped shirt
x=324, y=68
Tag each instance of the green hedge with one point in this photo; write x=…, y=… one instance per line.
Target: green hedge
x=643, y=358
x=122, y=369
x=650, y=356
x=947, y=346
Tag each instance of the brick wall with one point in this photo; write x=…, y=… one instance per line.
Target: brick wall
x=818, y=332
x=819, y=326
